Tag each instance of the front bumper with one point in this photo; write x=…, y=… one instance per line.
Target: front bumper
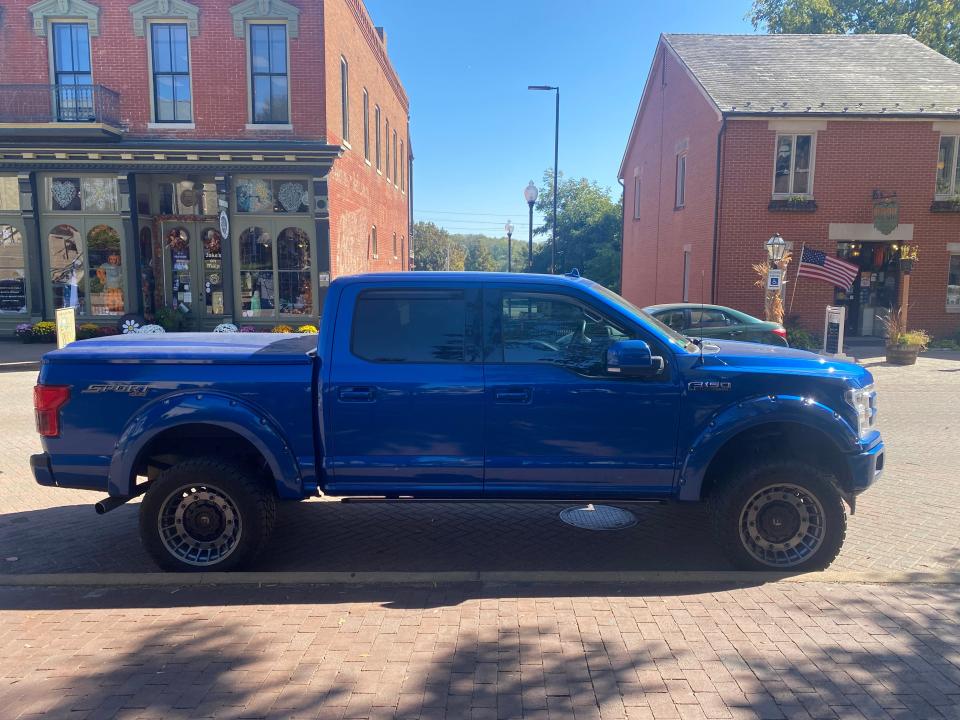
x=865, y=468
x=42, y=472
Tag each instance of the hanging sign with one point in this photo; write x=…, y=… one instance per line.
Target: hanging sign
x=833, y=330
x=886, y=212
x=224, y=224
x=774, y=279
x=66, y=326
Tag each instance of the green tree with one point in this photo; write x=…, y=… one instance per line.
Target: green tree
x=435, y=249
x=480, y=258
x=935, y=23
x=589, y=230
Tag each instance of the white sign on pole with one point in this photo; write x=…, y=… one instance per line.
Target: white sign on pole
x=774, y=279
x=833, y=330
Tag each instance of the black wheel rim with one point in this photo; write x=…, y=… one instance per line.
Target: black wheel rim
x=782, y=525
x=199, y=525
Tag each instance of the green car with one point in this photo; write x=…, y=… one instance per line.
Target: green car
x=716, y=321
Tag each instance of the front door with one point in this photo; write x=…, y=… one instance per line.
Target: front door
x=403, y=392
x=556, y=424
x=192, y=256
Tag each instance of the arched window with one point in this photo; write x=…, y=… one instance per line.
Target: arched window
x=13, y=283
x=366, y=125
x=256, y=273
x=106, y=277
x=65, y=248
x=376, y=129
x=373, y=242
x=293, y=272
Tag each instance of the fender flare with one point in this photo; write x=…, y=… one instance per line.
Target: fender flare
x=751, y=413
x=204, y=408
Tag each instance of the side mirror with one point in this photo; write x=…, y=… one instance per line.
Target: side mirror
x=633, y=358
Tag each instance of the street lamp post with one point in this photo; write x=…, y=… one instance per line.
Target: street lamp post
x=776, y=249
x=530, y=195
x=509, y=228
x=556, y=156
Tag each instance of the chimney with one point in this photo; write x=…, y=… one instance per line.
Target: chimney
x=383, y=35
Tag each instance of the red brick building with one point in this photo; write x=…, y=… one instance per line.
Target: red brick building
x=817, y=137
x=226, y=158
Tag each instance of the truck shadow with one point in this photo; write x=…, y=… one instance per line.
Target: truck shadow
x=770, y=652
x=332, y=536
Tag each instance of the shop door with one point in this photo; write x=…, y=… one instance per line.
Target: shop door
x=192, y=255
x=874, y=291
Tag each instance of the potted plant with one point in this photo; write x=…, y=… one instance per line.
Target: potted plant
x=903, y=345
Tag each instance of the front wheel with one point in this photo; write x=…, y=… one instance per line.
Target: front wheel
x=780, y=515
x=205, y=515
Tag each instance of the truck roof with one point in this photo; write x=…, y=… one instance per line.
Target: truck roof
x=463, y=276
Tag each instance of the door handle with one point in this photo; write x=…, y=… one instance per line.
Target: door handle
x=513, y=395
x=356, y=394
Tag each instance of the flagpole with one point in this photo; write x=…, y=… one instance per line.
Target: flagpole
x=796, y=279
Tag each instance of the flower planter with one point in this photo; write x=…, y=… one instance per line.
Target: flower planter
x=945, y=206
x=807, y=206
x=902, y=354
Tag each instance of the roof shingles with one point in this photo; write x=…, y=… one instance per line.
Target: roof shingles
x=821, y=74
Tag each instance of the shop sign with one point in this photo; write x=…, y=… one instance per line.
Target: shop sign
x=224, y=225
x=774, y=279
x=833, y=330
x=66, y=326
x=886, y=212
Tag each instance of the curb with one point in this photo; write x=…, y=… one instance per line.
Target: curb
x=686, y=577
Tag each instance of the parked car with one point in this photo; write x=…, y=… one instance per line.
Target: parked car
x=459, y=386
x=716, y=321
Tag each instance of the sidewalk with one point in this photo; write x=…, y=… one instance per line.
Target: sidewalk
x=800, y=651
x=16, y=355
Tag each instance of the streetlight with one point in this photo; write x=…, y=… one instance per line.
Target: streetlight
x=509, y=228
x=530, y=194
x=776, y=247
x=556, y=155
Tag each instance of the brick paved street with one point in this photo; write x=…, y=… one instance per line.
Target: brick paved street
x=909, y=521
x=796, y=651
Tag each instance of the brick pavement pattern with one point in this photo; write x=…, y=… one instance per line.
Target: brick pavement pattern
x=797, y=651
x=909, y=521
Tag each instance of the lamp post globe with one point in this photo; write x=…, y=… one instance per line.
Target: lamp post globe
x=508, y=228
x=776, y=248
x=530, y=193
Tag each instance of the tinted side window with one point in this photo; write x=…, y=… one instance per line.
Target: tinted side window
x=410, y=327
x=556, y=331
x=708, y=318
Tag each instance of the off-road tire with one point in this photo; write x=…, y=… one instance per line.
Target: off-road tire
x=252, y=503
x=729, y=511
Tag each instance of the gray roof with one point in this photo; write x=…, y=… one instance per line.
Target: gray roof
x=822, y=74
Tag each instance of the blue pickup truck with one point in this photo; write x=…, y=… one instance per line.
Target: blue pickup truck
x=470, y=386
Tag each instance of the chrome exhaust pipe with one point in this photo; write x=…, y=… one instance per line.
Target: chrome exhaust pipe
x=115, y=501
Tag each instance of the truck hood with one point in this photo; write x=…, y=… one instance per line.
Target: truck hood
x=193, y=348
x=755, y=357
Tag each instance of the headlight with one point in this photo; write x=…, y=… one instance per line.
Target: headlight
x=864, y=403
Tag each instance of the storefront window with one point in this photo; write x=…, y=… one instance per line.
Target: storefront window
x=66, y=250
x=953, y=282
x=106, y=281
x=256, y=273
x=178, y=242
x=13, y=284
x=293, y=268
x=9, y=193
x=213, y=271
x=258, y=195
x=86, y=194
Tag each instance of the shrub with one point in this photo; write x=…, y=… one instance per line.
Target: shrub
x=171, y=319
x=247, y=328
x=24, y=331
x=918, y=338
x=308, y=329
x=945, y=344
x=107, y=331
x=45, y=331
x=282, y=329
x=85, y=331
x=803, y=339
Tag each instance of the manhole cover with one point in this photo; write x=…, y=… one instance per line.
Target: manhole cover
x=598, y=517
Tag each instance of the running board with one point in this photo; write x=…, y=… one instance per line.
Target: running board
x=501, y=501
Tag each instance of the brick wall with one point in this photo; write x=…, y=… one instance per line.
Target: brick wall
x=675, y=116
x=853, y=158
x=221, y=102
x=361, y=197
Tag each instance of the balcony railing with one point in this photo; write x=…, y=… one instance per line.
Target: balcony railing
x=33, y=103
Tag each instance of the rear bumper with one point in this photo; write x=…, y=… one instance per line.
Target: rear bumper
x=865, y=468
x=42, y=472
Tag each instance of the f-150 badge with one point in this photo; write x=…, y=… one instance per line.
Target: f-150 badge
x=710, y=385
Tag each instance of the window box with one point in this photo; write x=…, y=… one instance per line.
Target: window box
x=945, y=206
x=807, y=205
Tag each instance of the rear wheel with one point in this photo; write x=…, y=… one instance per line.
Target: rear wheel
x=780, y=515
x=205, y=515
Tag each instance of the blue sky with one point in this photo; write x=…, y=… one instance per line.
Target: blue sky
x=479, y=135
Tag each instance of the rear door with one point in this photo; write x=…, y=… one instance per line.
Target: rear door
x=405, y=398
x=557, y=425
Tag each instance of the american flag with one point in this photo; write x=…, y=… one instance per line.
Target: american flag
x=821, y=266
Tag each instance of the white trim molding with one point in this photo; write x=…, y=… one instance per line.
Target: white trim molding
x=865, y=232
x=253, y=10
x=164, y=9
x=46, y=9
x=796, y=126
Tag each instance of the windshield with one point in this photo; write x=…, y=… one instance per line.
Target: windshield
x=678, y=339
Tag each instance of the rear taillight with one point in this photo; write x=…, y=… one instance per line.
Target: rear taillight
x=782, y=332
x=47, y=401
